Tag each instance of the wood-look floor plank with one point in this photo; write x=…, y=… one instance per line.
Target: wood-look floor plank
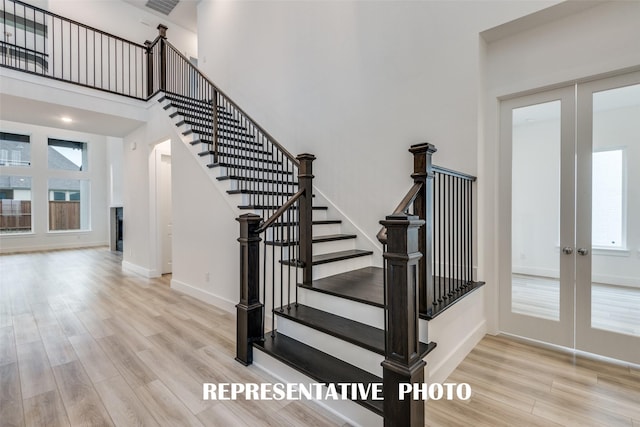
x=96, y=363
x=128, y=334
x=7, y=346
x=25, y=329
x=45, y=409
x=10, y=396
x=35, y=371
x=309, y=415
x=94, y=324
x=81, y=402
x=70, y=324
x=219, y=415
x=57, y=345
x=123, y=405
x=176, y=378
x=129, y=365
x=165, y=407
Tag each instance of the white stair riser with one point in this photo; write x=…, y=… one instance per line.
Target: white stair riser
x=325, y=229
x=337, y=267
x=343, y=350
x=363, y=313
x=333, y=246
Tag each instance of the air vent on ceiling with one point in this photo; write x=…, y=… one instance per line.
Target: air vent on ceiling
x=162, y=6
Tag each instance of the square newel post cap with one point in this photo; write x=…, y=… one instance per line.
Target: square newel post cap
x=162, y=30
x=422, y=147
x=401, y=240
x=305, y=156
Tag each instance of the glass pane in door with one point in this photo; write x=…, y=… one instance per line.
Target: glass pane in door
x=615, y=217
x=535, y=260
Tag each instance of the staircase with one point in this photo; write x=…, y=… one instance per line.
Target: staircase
x=334, y=317
x=334, y=332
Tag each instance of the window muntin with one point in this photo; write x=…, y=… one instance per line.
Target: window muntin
x=15, y=204
x=67, y=155
x=15, y=149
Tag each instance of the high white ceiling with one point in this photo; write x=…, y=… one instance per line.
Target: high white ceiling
x=184, y=14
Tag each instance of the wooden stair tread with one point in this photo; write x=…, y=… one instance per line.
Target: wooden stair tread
x=263, y=207
x=364, y=285
x=331, y=257
x=316, y=239
x=357, y=333
x=255, y=179
x=339, y=256
x=250, y=146
x=250, y=168
x=318, y=365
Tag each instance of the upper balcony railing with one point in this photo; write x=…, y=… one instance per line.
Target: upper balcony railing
x=36, y=41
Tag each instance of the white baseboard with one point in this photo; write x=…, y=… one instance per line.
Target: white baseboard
x=51, y=247
x=137, y=269
x=202, y=295
x=440, y=372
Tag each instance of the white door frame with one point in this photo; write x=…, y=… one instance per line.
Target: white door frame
x=559, y=332
x=606, y=343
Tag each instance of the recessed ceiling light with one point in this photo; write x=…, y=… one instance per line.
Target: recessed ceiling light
x=66, y=119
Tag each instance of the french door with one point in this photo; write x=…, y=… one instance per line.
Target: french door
x=570, y=212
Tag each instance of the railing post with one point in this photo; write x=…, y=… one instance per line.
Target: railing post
x=423, y=208
x=162, y=30
x=249, y=327
x=402, y=362
x=305, y=181
x=149, y=68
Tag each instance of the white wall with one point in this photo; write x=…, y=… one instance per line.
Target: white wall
x=124, y=20
x=138, y=192
x=356, y=83
x=591, y=42
x=206, y=261
x=40, y=238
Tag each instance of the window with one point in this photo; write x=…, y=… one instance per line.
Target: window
x=68, y=204
x=15, y=204
x=15, y=149
x=608, y=199
x=67, y=155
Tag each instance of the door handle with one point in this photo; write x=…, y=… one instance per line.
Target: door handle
x=583, y=251
x=567, y=250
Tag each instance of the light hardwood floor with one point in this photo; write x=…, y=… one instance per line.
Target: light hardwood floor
x=83, y=343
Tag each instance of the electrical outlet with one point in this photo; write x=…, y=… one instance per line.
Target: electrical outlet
x=207, y=276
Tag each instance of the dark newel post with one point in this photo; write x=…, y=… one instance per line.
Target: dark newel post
x=423, y=208
x=149, y=68
x=162, y=30
x=402, y=362
x=249, y=326
x=305, y=182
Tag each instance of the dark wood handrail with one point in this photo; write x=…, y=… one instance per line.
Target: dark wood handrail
x=46, y=12
x=272, y=140
x=277, y=214
x=402, y=206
